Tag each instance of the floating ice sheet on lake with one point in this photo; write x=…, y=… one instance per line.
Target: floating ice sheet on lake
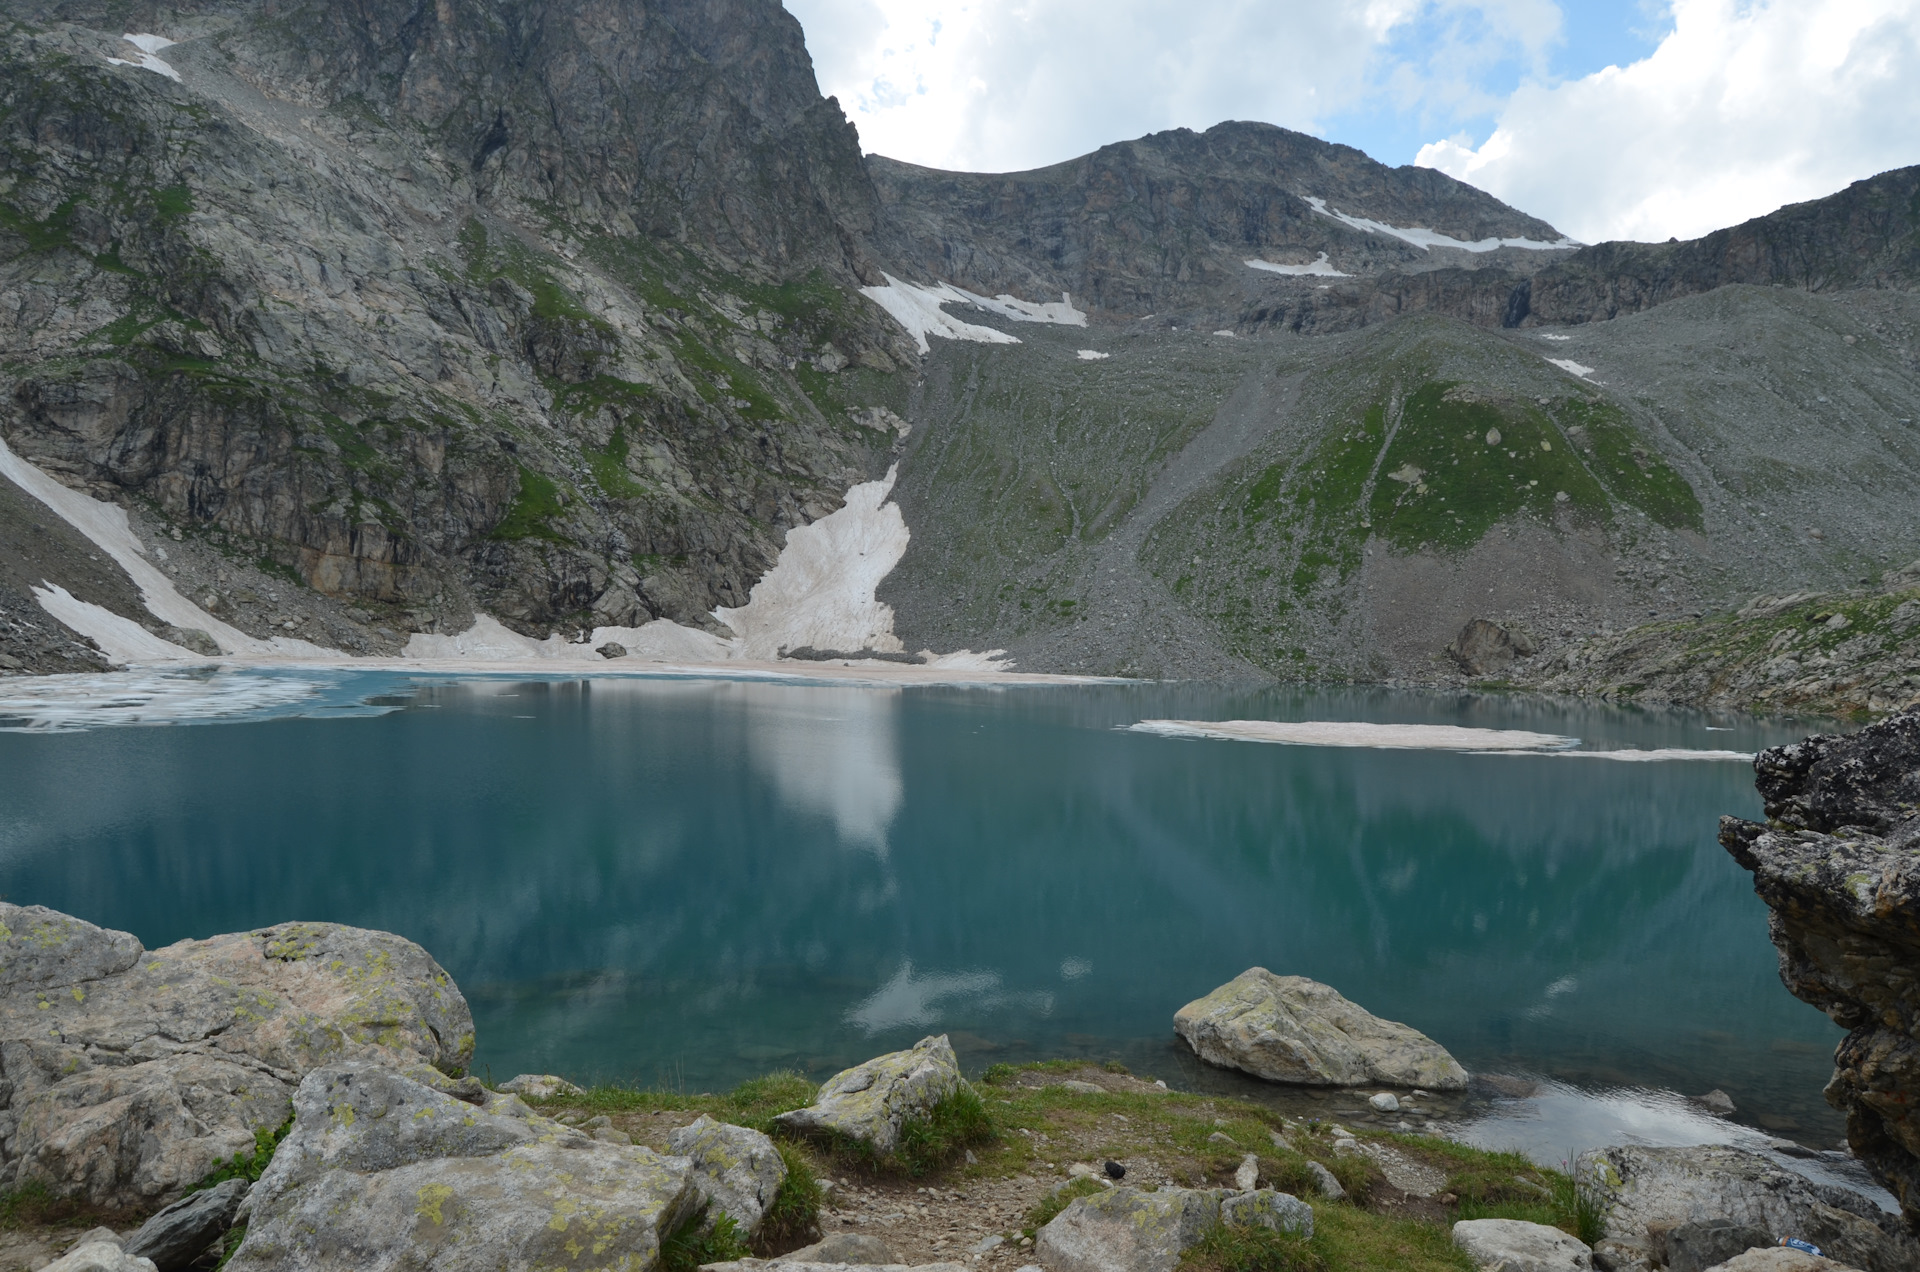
x=72, y=704
x=918, y=309
x=149, y=46
x=1322, y=268
x=1414, y=737
x=1422, y=237
x=1419, y=737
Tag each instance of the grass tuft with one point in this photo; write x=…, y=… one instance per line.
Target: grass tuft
x=1059, y=1199
x=694, y=1243
x=250, y=1165
x=1226, y=1248
x=794, y=1217
x=950, y=1127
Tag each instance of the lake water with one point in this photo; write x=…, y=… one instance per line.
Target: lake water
x=687, y=883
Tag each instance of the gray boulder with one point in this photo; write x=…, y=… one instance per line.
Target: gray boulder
x=382, y=1173
x=99, y=1256
x=1324, y=1179
x=1695, y=1247
x=128, y=1075
x=181, y=1233
x=737, y=1170
x=1651, y=1190
x=1291, y=1029
x=1511, y=1245
x=844, y=1247
x=870, y=1102
x=1265, y=1208
x=1778, y=1259
x=539, y=1086
x=1127, y=1230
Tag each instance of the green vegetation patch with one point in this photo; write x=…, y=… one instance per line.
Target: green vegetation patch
x=609, y=467
x=696, y=1242
x=795, y=1213
x=1048, y=1207
x=49, y=234
x=1631, y=469
x=1460, y=464
x=531, y=514
x=1251, y=1249
x=250, y=1164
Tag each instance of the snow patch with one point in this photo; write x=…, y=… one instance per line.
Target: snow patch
x=121, y=639
x=1231, y=335
x=1092, y=355
x=490, y=640
x=1422, y=237
x=105, y=525
x=918, y=309
x=149, y=45
x=1572, y=367
x=1322, y=268
x=820, y=593
x=1554, y=336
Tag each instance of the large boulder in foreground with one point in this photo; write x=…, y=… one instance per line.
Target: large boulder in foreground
x=128, y=1074
x=1839, y=866
x=1291, y=1029
x=381, y=1173
x=1129, y=1230
x=870, y=1102
x=1651, y=1190
x=1513, y=1245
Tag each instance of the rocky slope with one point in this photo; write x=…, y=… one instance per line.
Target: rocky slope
x=379, y=317
x=1836, y=864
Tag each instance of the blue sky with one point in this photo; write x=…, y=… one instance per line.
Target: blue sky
x=1638, y=119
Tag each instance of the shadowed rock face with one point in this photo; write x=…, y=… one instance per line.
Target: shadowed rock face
x=1839, y=865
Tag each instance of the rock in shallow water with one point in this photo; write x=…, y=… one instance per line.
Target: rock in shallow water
x=870, y=1102
x=381, y=1173
x=1291, y=1029
x=133, y=1073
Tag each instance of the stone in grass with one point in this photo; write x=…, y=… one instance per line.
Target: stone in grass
x=1325, y=1181
x=99, y=1256
x=181, y=1233
x=871, y=1102
x=1512, y=1245
x=737, y=1170
x=1265, y=1208
x=539, y=1086
x=381, y=1173
x=1291, y=1029
x=1127, y=1230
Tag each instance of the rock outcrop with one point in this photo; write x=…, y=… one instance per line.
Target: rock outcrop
x=1838, y=864
x=1291, y=1029
x=870, y=1102
x=1652, y=1191
x=129, y=1074
x=179, y=1234
x=382, y=1173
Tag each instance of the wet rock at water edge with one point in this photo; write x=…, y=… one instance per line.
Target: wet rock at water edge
x=870, y=1102
x=381, y=1173
x=1291, y=1029
x=1511, y=1245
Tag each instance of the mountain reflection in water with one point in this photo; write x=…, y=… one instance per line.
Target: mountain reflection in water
x=691, y=882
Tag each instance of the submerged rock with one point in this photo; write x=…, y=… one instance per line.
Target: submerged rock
x=737, y=1170
x=1838, y=867
x=383, y=1173
x=1291, y=1029
x=130, y=1074
x=1511, y=1245
x=870, y=1102
x=1651, y=1191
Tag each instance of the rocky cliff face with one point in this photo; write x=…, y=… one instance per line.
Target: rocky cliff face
x=1838, y=862
x=535, y=308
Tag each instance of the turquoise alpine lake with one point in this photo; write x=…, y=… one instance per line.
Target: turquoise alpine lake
x=690, y=882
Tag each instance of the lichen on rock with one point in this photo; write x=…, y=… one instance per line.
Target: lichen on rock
x=871, y=1102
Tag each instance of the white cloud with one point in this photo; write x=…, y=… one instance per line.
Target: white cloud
x=1742, y=108
x=1002, y=85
